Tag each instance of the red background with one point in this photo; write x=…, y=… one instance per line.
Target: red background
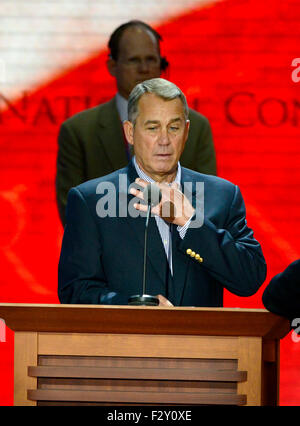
x=233, y=61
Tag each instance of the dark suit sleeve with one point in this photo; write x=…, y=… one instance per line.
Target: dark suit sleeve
x=81, y=276
x=69, y=168
x=230, y=254
x=282, y=294
x=207, y=155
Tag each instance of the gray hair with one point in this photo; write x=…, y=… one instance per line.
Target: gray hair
x=158, y=86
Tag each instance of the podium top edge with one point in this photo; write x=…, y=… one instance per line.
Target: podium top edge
x=125, y=307
x=143, y=320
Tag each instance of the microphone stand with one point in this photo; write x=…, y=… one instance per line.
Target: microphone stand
x=144, y=299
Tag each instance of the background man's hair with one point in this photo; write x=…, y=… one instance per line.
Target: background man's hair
x=161, y=88
x=114, y=40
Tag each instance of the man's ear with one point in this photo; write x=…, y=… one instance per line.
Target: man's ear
x=111, y=66
x=187, y=128
x=128, y=130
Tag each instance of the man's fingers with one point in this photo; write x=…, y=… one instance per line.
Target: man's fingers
x=175, y=185
x=171, y=207
x=137, y=193
x=141, y=182
x=144, y=208
x=168, y=211
x=141, y=207
x=163, y=301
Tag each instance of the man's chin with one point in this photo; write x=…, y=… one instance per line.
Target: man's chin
x=165, y=167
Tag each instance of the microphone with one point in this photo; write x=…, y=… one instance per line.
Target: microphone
x=152, y=194
x=152, y=197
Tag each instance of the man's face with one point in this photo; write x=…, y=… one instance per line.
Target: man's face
x=138, y=60
x=158, y=136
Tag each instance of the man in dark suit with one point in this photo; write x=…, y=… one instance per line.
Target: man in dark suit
x=192, y=254
x=92, y=143
x=282, y=294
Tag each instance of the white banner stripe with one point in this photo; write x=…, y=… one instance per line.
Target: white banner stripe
x=40, y=39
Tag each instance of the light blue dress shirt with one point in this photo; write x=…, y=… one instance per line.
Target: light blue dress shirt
x=163, y=226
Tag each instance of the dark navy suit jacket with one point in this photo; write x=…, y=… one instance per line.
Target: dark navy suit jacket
x=101, y=259
x=282, y=294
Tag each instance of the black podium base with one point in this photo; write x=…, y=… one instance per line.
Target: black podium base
x=143, y=300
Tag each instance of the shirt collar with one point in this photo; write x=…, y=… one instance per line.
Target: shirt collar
x=147, y=178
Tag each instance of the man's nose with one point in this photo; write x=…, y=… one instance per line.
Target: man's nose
x=144, y=66
x=164, y=137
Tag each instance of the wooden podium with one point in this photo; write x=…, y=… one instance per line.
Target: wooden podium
x=112, y=355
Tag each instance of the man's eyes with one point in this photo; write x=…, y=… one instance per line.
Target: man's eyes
x=171, y=128
x=134, y=60
x=152, y=128
x=138, y=61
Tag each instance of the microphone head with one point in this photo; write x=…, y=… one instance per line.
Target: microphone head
x=152, y=194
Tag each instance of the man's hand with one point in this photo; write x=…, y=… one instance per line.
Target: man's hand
x=163, y=301
x=174, y=206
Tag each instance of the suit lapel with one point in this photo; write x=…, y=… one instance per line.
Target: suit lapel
x=110, y=134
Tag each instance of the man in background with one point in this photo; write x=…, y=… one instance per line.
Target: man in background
x=92, y=143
